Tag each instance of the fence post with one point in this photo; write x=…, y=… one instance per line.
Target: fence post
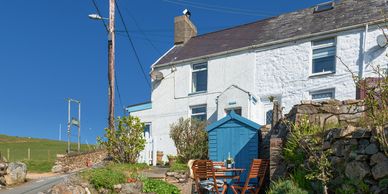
x=8, y=154
x=48, y=155
x=29, y=154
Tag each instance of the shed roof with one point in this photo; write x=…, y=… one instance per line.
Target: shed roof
x=300, y=23
x=233, y=116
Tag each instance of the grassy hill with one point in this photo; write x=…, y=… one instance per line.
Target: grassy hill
x=42, y=151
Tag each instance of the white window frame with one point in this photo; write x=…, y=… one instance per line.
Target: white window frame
x=327, y=45
x=192, y=77
x=320, y=92
x=197, y=114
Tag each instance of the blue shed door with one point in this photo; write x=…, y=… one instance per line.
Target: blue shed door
x=236, y=138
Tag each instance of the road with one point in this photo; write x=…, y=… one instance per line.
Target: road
x=35, y=186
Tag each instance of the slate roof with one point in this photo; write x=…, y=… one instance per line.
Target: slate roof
x=299, y=23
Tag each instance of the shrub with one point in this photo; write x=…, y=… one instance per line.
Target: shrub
x=159, y=187
x=179, y=167
x=303, y=150
x=190, y=139
x=285, y=187
x=125, y=143
x=105, y=178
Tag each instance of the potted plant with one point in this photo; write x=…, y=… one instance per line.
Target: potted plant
x=171, y=159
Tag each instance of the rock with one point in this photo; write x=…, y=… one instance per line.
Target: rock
x=57, y=168
x=371, y=149
x=182, y=180
x=2, y=181
x=170, y=173
x=103, y=191
x=345, y=131
x=67, y=189
x=380, y=170
x=364, y=142
x=117, y=187
x=16, y=173
x=131, y=188
x=361, y=157
x=356, y=170
x=3, y=165
x=361, y=133
x=378, y=158
x=326, y=145
x=353, y=142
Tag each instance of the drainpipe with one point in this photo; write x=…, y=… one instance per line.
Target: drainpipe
x=361, y=73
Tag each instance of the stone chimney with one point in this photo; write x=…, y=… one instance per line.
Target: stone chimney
x=184, y=29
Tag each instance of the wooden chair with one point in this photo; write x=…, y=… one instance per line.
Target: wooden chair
x=257, y=171
x=204, y=175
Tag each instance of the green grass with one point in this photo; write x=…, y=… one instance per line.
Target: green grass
x=42, y=151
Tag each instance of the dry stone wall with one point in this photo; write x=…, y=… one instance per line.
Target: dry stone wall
x=328, y=113
x=356, y=155
x=73, y=162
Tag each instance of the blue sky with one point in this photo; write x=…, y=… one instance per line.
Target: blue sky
x=50, y=50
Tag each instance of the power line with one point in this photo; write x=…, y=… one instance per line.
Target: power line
x=132, y=45
x=141, y=31
x=218, y=9
x=99, y=13
x=227, y=8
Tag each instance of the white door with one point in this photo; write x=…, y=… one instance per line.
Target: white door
x=146, y=156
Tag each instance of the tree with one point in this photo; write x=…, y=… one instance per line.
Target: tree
x=190, y=139
x=125, y=143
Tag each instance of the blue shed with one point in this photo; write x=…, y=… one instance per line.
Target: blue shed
x=236, y=135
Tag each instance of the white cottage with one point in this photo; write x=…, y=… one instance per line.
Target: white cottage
x=295, y=56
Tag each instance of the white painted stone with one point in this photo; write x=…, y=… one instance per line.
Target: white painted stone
x=282, y=70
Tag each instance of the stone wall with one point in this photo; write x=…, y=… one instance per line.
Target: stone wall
x=357, y=156
x=355, y=152
x=328, y=113
x=73, y=162
x=325, y=114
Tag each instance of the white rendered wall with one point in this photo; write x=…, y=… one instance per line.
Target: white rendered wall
x=171, y=100
x=282, y=71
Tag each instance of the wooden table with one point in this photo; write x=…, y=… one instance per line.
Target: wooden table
x=224, y=173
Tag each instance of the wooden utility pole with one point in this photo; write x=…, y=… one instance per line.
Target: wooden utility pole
x=111, y=68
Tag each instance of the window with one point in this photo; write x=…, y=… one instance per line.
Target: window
x=324, y=7
x=236, y=110
x=199, y=78
x=268, y=117
x=323, y=56
x=199, y=112
x=323, y=94
x=147, y=130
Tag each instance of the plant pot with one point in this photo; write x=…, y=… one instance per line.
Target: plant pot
x=159, y=157
x=171, y=160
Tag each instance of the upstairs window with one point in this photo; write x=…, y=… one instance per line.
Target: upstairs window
x=199, y=78
x=323, y=95
x=236, y=110
x=199, y=112
x=323, y=56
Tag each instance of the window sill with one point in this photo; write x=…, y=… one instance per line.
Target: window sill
x=197, y=93
x=322, y=74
